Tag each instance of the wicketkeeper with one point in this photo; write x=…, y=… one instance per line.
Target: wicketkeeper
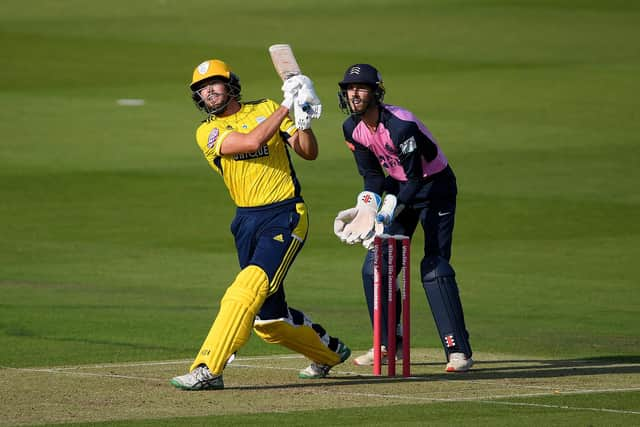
x=400, y=160
x=248, y=144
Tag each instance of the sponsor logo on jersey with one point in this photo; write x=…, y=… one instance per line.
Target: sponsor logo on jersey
x=260, y=152
x=408, y=146
x=278, y=238
x=213, y=136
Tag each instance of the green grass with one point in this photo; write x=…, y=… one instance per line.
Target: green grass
x=538, y=411
x=114, y=232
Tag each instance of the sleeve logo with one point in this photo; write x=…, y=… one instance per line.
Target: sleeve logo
x=408, y=146
x=213, y=136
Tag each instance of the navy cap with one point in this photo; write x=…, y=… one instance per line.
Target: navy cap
x=361, y=73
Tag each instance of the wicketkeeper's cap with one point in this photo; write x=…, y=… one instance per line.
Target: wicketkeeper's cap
x=208, y=70
x=361, y=73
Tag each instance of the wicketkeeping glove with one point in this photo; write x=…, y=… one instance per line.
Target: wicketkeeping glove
x=378, y=229
x=342, y=219
x=386, y=212
x=362, y=225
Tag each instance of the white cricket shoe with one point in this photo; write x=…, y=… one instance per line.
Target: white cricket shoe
x=367, y=358
x=458, y=362
x=198, y=379
x=316, y=370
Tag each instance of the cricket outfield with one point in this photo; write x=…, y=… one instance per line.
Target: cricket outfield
x=115, y=245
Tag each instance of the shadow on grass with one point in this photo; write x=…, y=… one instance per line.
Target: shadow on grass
x=489, y=370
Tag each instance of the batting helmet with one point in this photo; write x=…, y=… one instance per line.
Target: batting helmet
x=209, y=71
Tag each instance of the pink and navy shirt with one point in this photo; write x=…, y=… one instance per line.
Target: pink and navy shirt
x=401, y=147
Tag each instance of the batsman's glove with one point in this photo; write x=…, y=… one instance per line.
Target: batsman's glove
x=292, y=86
x=290, y=89
x=304, y=112
x=307, y=105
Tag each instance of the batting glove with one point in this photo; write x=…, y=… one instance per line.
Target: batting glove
x=303, y=113
x=307, y=93
x=301, y=117
x=290, y=89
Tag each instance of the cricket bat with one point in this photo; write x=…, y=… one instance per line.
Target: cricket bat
x=284, y=61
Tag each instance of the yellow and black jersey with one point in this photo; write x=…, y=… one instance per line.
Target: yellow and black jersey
x=253, y=179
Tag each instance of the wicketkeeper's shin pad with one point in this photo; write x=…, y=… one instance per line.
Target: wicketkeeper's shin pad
x=232, y=326
x=302, y=339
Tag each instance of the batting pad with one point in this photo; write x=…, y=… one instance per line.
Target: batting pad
x=232, y=326
x=302, y=339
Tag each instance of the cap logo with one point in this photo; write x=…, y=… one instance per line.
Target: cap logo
x=204, y=67
x=354, y=70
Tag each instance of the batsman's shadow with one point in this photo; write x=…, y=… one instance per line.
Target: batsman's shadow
x=483, y=370
x=544, y=368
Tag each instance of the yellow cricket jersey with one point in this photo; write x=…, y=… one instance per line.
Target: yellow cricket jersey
x=253, y=179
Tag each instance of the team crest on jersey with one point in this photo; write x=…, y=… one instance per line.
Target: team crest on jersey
x=408, y=146
x=213, y=136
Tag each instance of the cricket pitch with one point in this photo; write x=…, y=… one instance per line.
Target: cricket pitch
x=141, y=390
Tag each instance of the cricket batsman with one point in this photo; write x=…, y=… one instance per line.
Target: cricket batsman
x=396, y=153
x=248, y=144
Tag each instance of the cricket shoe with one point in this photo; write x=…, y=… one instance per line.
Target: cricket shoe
x=317, y=370
x=458, y=362
x=198, y=379
x=367, y=358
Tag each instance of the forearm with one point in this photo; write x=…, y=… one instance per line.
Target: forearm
x=408, y=191
x=305, y=144
x=238, y=142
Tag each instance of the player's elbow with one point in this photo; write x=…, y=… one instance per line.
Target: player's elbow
x=308, y=154
x=311, y=156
